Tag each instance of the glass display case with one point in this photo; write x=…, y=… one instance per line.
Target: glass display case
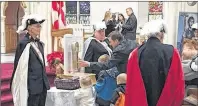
x=73, y=46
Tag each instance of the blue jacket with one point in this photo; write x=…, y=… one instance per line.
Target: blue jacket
x=106, y=83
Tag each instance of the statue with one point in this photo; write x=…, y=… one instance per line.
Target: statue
x=75, y=50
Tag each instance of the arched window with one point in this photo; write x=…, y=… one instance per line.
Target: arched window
x=78, y=12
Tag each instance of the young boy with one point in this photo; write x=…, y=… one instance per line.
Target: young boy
x=106, y=83
x=86, y=95
x=189, y=49
x=117, y=100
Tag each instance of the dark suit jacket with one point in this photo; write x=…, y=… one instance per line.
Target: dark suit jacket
x=129, y=28
x=94, y=51
x=119, y=57
x=37, y=78
x=110, y=27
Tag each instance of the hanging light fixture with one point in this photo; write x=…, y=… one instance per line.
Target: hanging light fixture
x=191, y=3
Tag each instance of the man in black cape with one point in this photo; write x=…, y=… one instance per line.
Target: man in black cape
x=96, y=46
x=29, y=83
x=121, y=50
x=154, y=72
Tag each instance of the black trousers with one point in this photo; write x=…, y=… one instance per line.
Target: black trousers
x=37, y=99
x=102, y=102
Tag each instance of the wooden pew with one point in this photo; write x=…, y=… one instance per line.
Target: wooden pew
x=192, y=97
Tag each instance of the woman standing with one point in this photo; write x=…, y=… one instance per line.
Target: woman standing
x=109, y=23
x=121, y=21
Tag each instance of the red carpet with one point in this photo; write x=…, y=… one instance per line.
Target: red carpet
x=6, y=70
x=6, y=73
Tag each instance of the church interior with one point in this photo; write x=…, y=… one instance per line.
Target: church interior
x=79, y=20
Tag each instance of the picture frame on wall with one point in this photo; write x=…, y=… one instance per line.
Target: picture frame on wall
x=185, y=32
x=155, y=10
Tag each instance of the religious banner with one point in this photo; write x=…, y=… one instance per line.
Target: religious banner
x=155, y=10
x=185, y=32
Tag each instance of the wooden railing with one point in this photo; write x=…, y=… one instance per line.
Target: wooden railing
x=59, y=34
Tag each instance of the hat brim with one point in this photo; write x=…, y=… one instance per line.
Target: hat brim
x=194, y=28
x=40, y=22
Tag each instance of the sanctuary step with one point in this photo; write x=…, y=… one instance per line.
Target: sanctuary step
x=7, y=69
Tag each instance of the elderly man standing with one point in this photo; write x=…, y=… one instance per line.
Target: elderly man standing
x=154, y=71
x=96, y=46
x=129, y=28
x=29, y=82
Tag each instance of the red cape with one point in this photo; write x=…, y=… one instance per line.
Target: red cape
x=172, y=93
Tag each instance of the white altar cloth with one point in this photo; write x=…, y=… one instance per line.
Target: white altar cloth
x=58, y=97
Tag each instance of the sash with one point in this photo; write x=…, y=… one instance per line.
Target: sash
x=37, y=51
x=19, y=88
x=88, y=41
x=106, y=47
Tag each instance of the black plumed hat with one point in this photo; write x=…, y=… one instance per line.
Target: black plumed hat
x=29, y=20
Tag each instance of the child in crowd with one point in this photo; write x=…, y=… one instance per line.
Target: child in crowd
x=189, y=49
x=86, y=95
x=106, y=83
x=118, y=97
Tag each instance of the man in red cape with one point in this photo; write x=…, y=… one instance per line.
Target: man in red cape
x=154, y=72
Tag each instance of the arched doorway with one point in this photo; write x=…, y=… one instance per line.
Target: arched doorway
x=14, y=13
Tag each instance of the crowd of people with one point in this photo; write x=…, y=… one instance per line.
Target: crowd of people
x=128, y=74
x=125, y=26
x=152, y=68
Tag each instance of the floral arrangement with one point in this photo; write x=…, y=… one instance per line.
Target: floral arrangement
x=55, y=60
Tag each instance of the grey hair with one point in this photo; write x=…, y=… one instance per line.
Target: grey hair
x=152, y=35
